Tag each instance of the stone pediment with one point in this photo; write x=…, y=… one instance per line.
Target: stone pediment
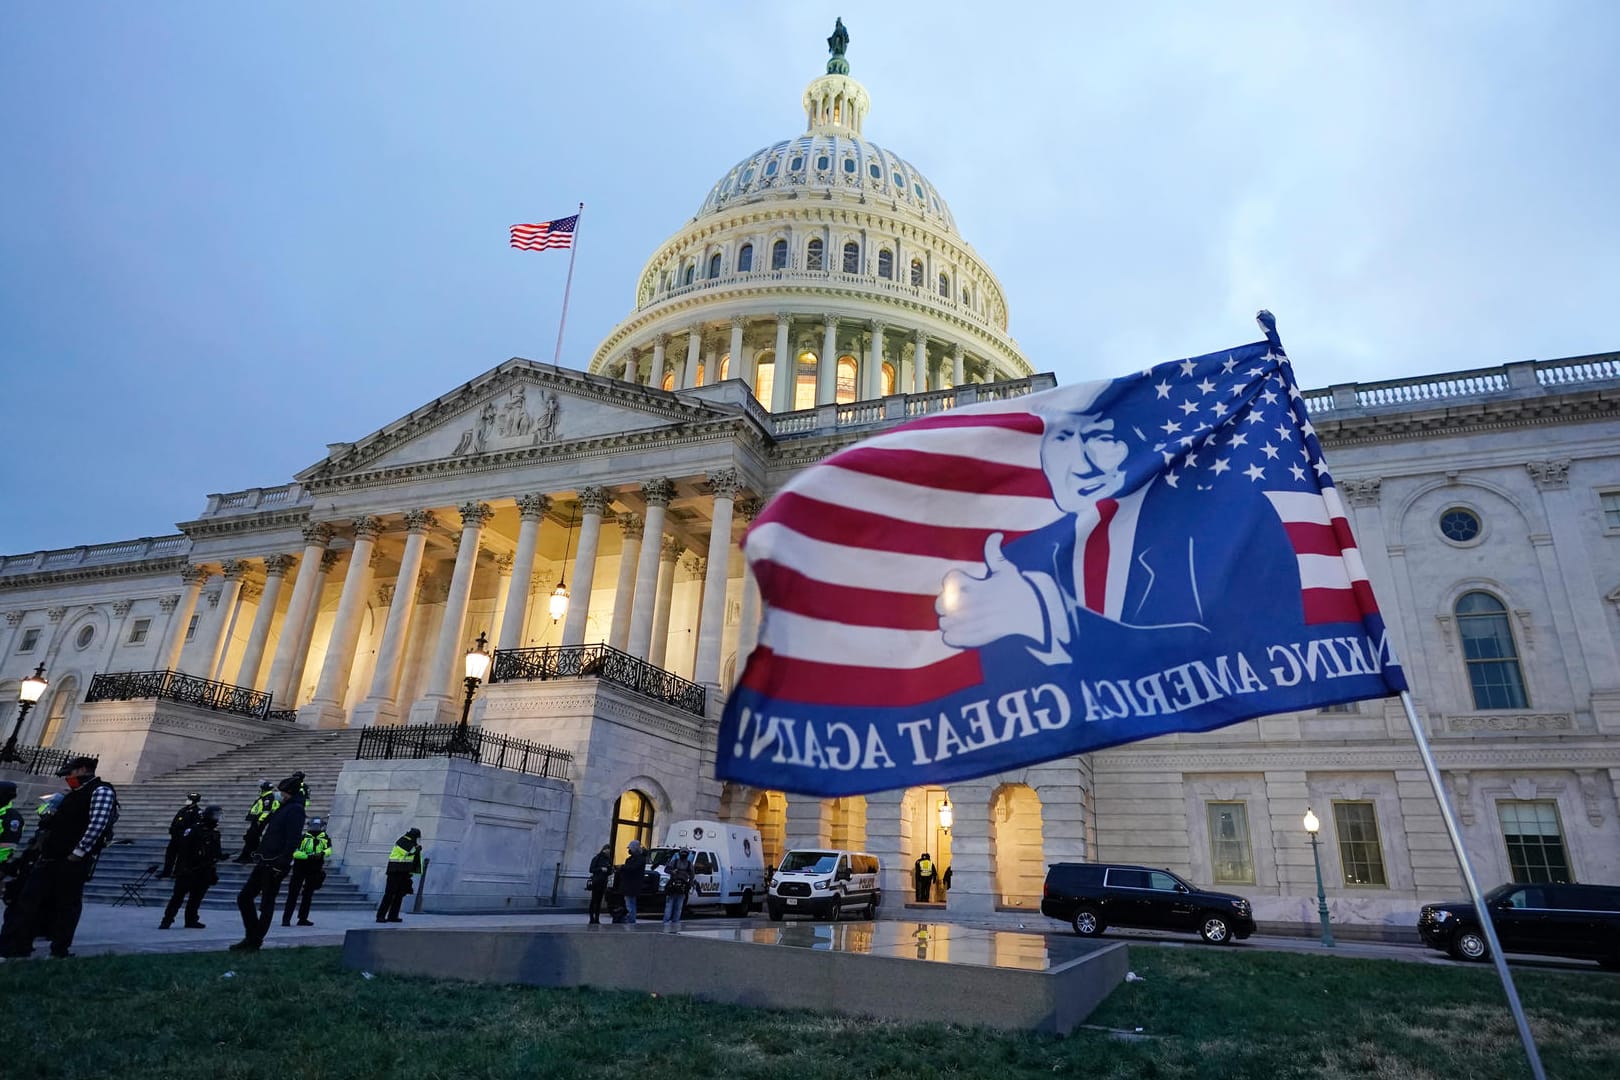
x=518, y=406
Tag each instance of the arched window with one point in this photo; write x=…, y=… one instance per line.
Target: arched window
x=725, y=367
x=765, y=377
x=745, y=259
x=714, y=265
x=632, y=820
x=888, y=378
x=56, y=719
x=917, y=272
x=852, y=258
x=967, y=296
x=779, y=255
x=804, y=382
x=812, y=255
x=886, y=264
x=691, y=271
x=1491, y=657
x=669, y=380
x=848, y=370
x=944, y=286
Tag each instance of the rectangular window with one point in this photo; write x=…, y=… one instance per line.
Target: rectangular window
x=138, y=632
x=1230, y=853
x=1610, y=503
x=191, y=627
x=1535, y=843
x=1359, y=852
x=30, y=638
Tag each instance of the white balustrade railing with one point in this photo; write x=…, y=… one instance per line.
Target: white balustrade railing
x=95, y=555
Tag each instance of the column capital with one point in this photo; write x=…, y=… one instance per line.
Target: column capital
x=631, y=526
x=660, y=341
x=725, y=483
x=251, y=591
x=1549, y=475
x=696, y=565
x=276, y=565
x=474, y=514
x=749, y=506
x=367, y=528
x=377, y=559
x=877, y=326
x=194, y=575
x=658, y=492
x=318, y=532
x=738, y=322
x=56, y=614
x=593, y=499
x=419, y=521
x=329, y=560
x=671, y=549
x=533, y=507
x=166, y=603
x=122, y=607
x=234, y=569
x=212, y=597
x=831, y=322
x=1360, y=492
x=783, y=317
x=503, y=563
x=385, y=595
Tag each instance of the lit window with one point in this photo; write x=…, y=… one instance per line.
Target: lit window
x=917, y=272
x=1459, y=526
x=888, y=378
x=1230, y=853
x=1491, y=657
x=632, y=820
x=714, y=265
x=844, y=392
x=1360, y=855
x=191, y=627
x=812, y=255
x=30, y=638
x=1535, y=843
x=138, y=632
x=669, y=381
x=765, y=378
x=725, y=367
x=779, y=255
x=886, y=264
x=852, y=258
x=1610, y=502
x=745, y=259
x=804, y=385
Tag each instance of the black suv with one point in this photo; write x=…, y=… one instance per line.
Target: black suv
x=1091, y=897
x=1581, y=921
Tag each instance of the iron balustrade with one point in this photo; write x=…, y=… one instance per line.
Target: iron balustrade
x=179, y=687
x=385, y=742
x=41, y=760
x=600, y=661
x=289, y=716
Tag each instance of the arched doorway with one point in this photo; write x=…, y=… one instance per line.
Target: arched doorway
x=932, y=816
x=56, y=719
x=633, y=814
x=1015, y=845
x=770, y=818
x=849, y=822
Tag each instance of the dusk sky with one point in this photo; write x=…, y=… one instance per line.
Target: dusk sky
x=235, y=234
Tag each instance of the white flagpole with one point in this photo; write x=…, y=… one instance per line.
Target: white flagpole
x=1483, y=915
x=573, y=250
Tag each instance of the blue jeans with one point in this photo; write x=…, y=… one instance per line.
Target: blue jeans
x=630, y=908
x=674, y=904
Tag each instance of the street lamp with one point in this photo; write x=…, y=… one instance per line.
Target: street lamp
x=1313, y=826
x=477, y=666
x=28, y=694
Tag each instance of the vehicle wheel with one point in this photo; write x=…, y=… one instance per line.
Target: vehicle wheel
x=748, y=902
x=871, y=908
x=776, y=914
x=1087, y=923
x=1216, y=930
x=1469, y=944
x=837, y=910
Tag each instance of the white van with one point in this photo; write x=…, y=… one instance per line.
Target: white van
x=728, y=865
x=825, y=881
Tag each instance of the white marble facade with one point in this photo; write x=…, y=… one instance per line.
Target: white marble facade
x=632, y=480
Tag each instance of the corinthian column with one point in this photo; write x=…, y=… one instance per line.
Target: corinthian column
x=874, y=363
x=725, y=484
x=783, y=369
x=531, y=511
x=957, y=373
x=592, y=501
x=624, y=591
x=275, y=572
x=919, y=364
x=668, y=556
x=658, y=493
x=217, y=641
x=735, y=351
x=748, y=620
x=655, y=373
x=435, y=705
x=694, y=346
x=380, y=706
x=325, y=709
x=827, y=368
x=304, y=596
x=192, y=577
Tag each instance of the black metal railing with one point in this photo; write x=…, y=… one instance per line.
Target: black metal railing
x=379, y=743
x=39, y=760
x=289, y=716
x=176, y=686
x=602, y=662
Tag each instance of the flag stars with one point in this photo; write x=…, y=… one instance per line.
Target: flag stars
x=1171, y=478
x=1163, y=389
x=1187, y=408
x=1169, y=427
x=1219, y=408
x=1270, y=452
x=1239, y=439
x=1230, y=365
x=1255, y=472
x=1188, y=367
x=1297, y=472
x=1255, y=417
x=1255, y=372
x=1269, y=397
x=1237, y=389
x=1206, y=386
x=1284, y=432
x=1321, y=468
x=1221, y=465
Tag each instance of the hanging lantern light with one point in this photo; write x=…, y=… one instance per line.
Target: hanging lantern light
x=558, y=604
x=947, y=814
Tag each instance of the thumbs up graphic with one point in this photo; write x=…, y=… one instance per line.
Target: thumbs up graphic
x=975, y=611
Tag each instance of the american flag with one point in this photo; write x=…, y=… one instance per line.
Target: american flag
x=547, y=234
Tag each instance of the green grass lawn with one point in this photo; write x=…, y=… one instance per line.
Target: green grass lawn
x=289, y=1013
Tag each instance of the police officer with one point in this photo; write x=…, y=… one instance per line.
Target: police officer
x=23, y=862
x=53, y=897
x=308, y=871
x=922, y=876
x=184, y=819
x=195, y=869
x=11, y=829
x=257, y=815
x=404, y=863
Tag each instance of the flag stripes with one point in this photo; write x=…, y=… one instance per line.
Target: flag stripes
x=545, y=235
x=1333, y=580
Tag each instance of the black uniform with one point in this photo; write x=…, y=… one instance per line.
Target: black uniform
x=195, y=872
x=601, y=871
x=274, y=855
x=184, y=819
x=404, y=863
x=53, y=896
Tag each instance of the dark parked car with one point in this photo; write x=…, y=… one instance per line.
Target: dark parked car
x=1091, y=897
x=1581, y=921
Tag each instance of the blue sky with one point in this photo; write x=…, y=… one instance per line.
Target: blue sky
x=234, y=235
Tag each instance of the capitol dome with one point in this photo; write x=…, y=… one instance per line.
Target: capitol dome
x=830, y=253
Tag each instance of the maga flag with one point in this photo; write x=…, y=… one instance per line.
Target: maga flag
x=1021, y=580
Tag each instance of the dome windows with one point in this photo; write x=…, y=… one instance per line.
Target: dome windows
x=823, y=163
x=745, y=259
x=770, y=167
x=748, y=176
x=852, y=258
x=916, y=273
x=714, y=266
x=944, y=286
x=849, y=166
x=899, y=181
x=813, y=259
x=779, y=255
x=875, y=171
x=886, y=264
x=688, y=274
x=918, y=189
x=797, y=164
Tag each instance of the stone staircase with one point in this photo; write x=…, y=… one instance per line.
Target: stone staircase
x=230, y=780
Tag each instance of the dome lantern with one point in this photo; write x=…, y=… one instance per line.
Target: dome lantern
x=836, y=103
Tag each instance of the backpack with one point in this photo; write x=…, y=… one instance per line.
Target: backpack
x=680, y=879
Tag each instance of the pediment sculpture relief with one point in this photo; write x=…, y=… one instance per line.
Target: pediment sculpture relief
x=512, y=422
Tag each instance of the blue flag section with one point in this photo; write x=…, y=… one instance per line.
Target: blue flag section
x=1022, y=580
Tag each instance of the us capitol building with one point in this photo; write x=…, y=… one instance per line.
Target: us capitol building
x=588, y=522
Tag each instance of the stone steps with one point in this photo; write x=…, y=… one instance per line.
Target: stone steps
x=122, y=863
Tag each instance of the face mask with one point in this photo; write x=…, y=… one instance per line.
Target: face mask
x=74, y=782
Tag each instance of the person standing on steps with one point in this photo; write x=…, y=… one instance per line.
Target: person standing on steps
x=195, y=870
x=184, y=820
x=275, y=855
x=308, y=872
x=257, y=815
x=601, y=871
x=404, y=863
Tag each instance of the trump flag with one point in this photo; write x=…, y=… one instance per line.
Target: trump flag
x=1025, y=579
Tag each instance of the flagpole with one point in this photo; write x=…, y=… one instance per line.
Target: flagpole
x=1482, y=915
x=568, y=287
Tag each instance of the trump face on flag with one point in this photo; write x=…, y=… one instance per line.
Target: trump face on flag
x=1022, y=580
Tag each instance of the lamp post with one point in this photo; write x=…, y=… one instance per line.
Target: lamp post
x=477, y=666
x=1313, y=826
x=28, y=694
